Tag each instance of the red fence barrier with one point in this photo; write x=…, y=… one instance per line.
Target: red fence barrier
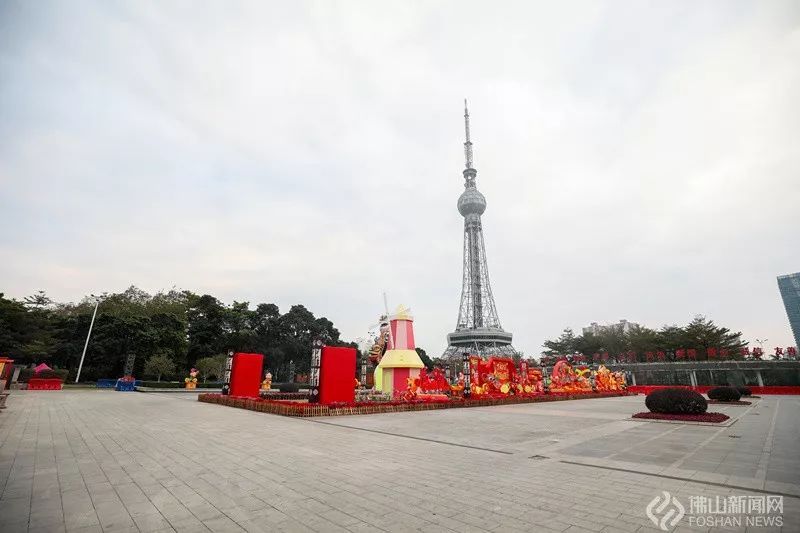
x=44, y=384
x=702, y=389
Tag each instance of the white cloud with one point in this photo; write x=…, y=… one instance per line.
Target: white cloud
x=639, y=161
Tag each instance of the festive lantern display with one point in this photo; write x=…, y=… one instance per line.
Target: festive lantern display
x=401, y=361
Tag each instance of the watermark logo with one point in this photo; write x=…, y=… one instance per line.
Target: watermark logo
x=665, y=511
x=733, y=511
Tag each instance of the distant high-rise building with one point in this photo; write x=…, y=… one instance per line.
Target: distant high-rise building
x=789, y=285
x=623, y=326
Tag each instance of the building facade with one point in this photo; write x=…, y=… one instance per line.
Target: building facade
x=789, y=285
x=623, y=326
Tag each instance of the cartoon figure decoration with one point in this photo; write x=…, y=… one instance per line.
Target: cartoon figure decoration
x=535, y=381
x=191, y=381
x=267, y=383
x=565, y=379
x=381, y=342
x=458, y=389
x=606, y=380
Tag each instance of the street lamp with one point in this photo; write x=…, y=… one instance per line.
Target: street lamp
x=86, y=345
x=761, y=343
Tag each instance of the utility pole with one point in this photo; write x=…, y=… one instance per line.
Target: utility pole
x=86, y=345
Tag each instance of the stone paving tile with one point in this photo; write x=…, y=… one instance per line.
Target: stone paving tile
x=99, y=460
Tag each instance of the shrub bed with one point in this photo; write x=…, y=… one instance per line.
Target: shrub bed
x=277, y=395
x=288, y=387
x=26, y=374
x=676, y=401
x=724, y=394
x=177, y=385
x=745, y=391
x=304, y=409
x=714, y=418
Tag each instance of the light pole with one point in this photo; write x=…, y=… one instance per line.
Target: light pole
x=86, y=345
x=761, y=343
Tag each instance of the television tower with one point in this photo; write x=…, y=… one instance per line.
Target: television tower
x=478, y=330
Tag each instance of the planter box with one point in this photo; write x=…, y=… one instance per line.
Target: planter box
x=304, y=409
x=44, y=384
x=126, y=386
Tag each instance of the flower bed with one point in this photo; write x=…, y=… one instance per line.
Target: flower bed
x=302, y=409
x=737, y=402
x=704, y=417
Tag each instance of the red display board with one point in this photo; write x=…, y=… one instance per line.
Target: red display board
x=337, y=375
x=246, y=374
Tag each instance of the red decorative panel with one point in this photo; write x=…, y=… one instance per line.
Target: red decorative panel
x=246, y=374
x=337, y=375
x=400, y=379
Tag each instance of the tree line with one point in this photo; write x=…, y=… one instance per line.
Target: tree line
x=700, y=339
x=172, y=330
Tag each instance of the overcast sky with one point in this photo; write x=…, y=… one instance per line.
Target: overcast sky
x=639, y=160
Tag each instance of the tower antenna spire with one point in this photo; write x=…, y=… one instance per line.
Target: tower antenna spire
x=468, y=143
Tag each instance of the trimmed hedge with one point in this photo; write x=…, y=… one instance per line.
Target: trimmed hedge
x=178, y=385
x=288, y=387
x=27, y=373
x=676, y=401
x=745, y=391
x=724, y=394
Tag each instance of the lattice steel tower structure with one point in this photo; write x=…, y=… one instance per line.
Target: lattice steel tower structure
x=478, y=330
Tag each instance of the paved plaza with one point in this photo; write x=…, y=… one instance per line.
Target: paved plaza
x=87, y=460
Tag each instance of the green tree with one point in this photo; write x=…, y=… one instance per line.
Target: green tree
x=642, y=340
x=425, y=359
x=158, y=365
x=38, y=300
x=206, y=318
x=14, y=327
x=211, y=366
x=565, y=344
x=702, y=333
x=182, y=325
